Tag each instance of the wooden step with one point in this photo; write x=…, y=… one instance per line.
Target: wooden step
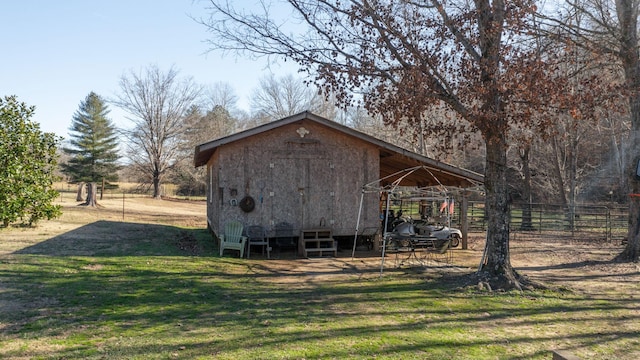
x=334, y=250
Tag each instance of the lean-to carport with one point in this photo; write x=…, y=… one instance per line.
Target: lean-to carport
x=407, y=180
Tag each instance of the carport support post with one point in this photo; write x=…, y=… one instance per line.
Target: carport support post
x=355, y=237
x=464, y=220
x=384, y=230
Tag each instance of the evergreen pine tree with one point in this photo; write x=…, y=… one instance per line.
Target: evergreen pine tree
x=93, y=144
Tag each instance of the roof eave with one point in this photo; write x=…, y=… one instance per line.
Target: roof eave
x=204, y=151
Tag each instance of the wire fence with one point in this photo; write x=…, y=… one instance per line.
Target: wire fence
x=605, y=223
x=128, y=189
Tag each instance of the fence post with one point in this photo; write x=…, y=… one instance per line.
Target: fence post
x=539, y=220
x=609, y=226
x=123, y=205
x=464, y=221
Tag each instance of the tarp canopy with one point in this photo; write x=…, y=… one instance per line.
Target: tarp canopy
x=427, y=175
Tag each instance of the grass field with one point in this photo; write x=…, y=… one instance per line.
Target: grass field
x=140, y=279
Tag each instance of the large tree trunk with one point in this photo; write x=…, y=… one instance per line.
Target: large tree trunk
x=80, y=192
x=156, y=185
x=631, y=251
x=497, y=267
x=497, y=270
x=92, y=192
x=627, y=11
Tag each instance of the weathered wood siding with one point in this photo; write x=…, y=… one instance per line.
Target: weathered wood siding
x=303, y=173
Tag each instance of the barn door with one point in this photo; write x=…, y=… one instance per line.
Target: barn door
x=303, y=192
x=288, y=180
x=319, y=195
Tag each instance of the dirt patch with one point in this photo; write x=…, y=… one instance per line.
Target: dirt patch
x=586, y=267
x=581, y=267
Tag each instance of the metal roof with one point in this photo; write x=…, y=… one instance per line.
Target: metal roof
x=393, y=159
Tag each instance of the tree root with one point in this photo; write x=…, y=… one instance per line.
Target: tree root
x=490, y=282
x=627, y=255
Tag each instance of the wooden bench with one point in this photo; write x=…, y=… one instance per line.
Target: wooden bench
x=317, y=241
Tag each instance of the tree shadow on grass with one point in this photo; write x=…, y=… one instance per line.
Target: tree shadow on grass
x=142, y=297
x=200, y=308
x=112, y=238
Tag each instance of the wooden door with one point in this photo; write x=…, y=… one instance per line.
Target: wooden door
x=319, y=194
x=286, y=192
x=303, y=192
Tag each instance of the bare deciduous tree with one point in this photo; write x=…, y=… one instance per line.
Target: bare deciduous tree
x=156, y=103
x=276, y=98
x=214, y=118
x=610, y=28
x=220, y=94
x=199, y=128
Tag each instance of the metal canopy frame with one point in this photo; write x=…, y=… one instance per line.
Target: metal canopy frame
x=390, y=185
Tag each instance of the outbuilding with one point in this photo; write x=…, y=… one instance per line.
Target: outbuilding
x=308, y=172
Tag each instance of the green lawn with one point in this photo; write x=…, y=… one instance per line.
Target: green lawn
x=160, y=292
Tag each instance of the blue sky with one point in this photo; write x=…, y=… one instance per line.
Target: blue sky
x=55, y=52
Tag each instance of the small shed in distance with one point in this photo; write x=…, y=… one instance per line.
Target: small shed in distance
x=307, y=171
